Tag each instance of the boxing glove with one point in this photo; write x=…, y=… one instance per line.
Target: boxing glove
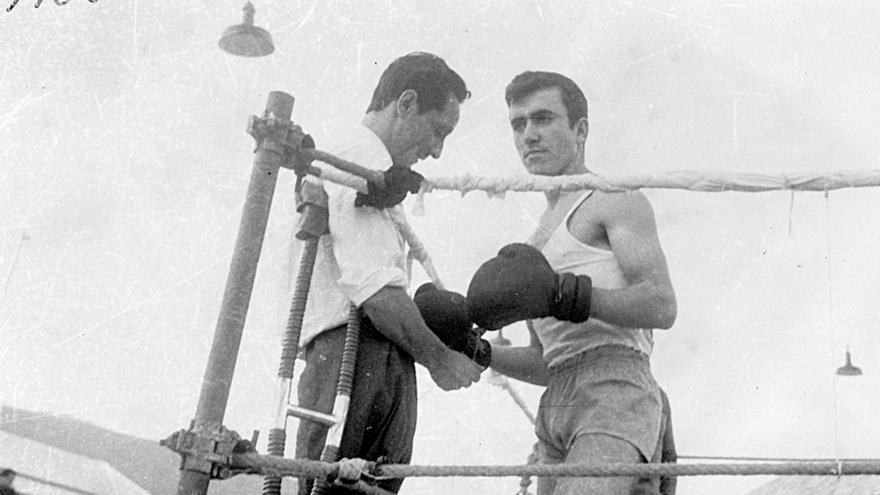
x=398, y=182
x=446, y=314
x=519, y=284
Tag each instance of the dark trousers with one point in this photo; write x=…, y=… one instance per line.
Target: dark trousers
x=381, y=419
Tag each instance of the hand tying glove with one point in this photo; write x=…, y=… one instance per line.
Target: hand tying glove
x=398, y=182
x=446, y=314
x=520, y=284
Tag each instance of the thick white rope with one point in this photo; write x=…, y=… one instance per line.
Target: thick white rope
x=416, y=247
x=691, y=180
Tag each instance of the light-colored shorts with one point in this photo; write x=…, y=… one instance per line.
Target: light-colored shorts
x=607, y=390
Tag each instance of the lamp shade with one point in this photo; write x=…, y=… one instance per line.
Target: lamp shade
x=848, y=369
x=246, y=39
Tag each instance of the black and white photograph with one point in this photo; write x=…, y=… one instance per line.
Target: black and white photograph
x=616, y=247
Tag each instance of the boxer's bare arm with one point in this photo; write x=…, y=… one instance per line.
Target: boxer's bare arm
x=522, y=363
x=648, y=300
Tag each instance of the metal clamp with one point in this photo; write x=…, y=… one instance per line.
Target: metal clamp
x=285, y=138
x=210, y=450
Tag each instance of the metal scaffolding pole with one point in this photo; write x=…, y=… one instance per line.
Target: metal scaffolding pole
x=239, y=284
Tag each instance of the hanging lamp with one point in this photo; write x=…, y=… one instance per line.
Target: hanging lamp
x=246, y=39
x=848, y=369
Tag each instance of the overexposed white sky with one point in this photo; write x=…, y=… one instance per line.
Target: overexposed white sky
x=125, y=159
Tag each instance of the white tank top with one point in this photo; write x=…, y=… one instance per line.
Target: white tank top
x=562, y=339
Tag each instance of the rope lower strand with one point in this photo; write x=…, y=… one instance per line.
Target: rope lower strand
x=318, y=469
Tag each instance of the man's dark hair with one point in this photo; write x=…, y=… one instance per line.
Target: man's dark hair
x=529, y=82
x=426, y=74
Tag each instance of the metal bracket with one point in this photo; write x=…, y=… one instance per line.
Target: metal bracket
x=210, y=450
x=285, y=138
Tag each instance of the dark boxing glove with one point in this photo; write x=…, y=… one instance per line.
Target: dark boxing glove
x=398, y=182
x=520, y=284
x=446, y=314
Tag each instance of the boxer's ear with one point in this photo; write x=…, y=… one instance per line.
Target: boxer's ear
x=582, y=129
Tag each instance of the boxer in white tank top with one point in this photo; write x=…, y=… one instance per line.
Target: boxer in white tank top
x=562, y=340
x=601, y=404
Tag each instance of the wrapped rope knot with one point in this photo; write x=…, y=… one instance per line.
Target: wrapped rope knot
x=352, y=470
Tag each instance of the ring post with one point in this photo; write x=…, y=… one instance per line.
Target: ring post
x=239, y=284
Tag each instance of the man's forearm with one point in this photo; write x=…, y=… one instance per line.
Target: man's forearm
x=520, y=363
x=394, y=315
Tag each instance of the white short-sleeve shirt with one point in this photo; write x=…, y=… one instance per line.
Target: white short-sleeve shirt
x=364, y=251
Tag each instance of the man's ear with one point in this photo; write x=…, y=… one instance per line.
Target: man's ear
x=408, y=102
x=582, y=128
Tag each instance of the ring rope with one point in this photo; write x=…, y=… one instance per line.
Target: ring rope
x=299, y=467
x=691, y=180
x=340, y=177
x=770, y=459
x=355, y=176
x=417, y=248
x=366, y=173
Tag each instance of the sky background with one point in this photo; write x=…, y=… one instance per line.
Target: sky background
x=125, y=160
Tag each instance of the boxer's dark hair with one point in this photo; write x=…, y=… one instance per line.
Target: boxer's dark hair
x=426, y=74
x=529, y=82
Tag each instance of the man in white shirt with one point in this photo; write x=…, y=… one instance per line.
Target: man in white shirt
x=362, y=261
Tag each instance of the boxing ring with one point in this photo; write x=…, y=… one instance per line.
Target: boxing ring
x=210, y=451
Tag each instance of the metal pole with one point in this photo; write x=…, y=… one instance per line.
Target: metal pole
x=239, y=284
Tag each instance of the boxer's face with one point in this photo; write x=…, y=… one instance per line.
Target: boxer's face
x=417, y=136
x=546, y=143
